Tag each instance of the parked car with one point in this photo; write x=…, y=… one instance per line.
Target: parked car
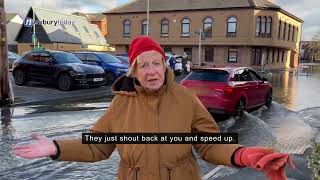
x=123, y=59
x=229, y=90
x=11, y=58
x=61, y=68
x=112, y=66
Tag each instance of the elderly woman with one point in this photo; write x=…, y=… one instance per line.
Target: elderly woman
x=148, y=100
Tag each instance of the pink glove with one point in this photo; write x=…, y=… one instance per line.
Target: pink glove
x=264, y=159
x=43, y=147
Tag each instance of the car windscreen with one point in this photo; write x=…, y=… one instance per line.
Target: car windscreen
x=13, y=55
x=109, y=58
x=63, y=57
x=208, y=75
x=124, y=58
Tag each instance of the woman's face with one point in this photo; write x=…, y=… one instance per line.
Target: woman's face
x=150, y=70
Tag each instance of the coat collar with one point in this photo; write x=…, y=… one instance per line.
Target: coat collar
x=131, y=87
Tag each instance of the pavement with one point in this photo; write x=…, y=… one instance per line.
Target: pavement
x=35, y=93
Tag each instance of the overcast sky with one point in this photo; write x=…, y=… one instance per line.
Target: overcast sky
x=307, y=10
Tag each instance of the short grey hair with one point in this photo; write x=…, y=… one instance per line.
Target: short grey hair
x=133, y=68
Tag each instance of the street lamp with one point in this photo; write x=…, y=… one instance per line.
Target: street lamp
x=201, y=37
x=148, y=17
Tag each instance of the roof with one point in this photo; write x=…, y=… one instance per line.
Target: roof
x=10, y=16
x=170, y=5
x=182, y=5
x=81, y=32
x=95, y=16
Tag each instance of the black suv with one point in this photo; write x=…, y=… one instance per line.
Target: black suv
x=61, y=68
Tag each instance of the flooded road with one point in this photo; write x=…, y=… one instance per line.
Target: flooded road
x=289, y=125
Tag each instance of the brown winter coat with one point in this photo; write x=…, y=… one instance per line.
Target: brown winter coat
x=172, y=109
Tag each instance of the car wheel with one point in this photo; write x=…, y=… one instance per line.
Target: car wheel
x=65, y=82
x=20, y=77
x=240, y=108
x=110, y=78
x=268, y=99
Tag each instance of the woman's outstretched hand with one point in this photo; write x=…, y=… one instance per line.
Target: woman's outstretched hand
x=43, y=147
x=266, y=160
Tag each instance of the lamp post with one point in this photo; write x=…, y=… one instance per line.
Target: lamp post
x=200, y=37
x=148, y=7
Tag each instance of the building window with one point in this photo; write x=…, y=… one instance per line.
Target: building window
x=297, y=34
x=293, y=33
x=279, y=31
x=144, y=27
x=283, y=56
x=268, y=56
x=258, y=26
x=209, y=53
x=185, y=27
x=275, y=57
x=232, y=27
x=284, y=31
x=269, y=27
x=289, y=32
x=272, y=57
x=263, y=27
x=126, y=28
x=207, y=27
x=256, y=56
x=279, y=55
x=233, y=55
x=165, y=27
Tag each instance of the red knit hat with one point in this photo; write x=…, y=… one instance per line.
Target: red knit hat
x=142, y=44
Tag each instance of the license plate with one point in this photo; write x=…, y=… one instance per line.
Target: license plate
x=97, y=79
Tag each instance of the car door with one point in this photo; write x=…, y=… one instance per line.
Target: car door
x=42, y=68
x=47, y=67
x=261, y=87
x=33, y=66
x=248, y=87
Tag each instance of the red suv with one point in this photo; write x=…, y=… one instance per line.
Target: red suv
x=229, y=90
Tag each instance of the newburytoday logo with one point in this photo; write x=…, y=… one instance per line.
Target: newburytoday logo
x=29, y=22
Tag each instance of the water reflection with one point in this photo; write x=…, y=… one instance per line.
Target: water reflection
x=6, y=127
x=297, y=91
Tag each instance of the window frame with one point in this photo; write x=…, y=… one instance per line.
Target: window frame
x=163, y=34
x=258, y=26
x=230, y=33
x=284, y=31
x=204, y=23
x=124, y=25
x=234, y=50
x=144, y=24
x=184, y=34
x=269, y=27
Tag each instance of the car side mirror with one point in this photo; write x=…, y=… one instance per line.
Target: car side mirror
x=50, y=61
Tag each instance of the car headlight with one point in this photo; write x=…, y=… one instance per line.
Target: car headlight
x=78, y=69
